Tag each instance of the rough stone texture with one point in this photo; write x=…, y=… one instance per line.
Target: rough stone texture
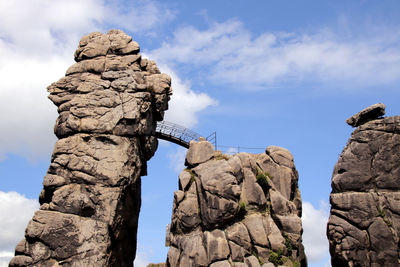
x=364, y=224
x=236, y=210
x=108, y=105
x=199, y=152
x=370, y=113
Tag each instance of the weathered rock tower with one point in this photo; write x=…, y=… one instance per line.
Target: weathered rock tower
x=108, y=105
x=364, y=224
x=242, y=210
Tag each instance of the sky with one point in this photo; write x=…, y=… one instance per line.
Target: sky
x=259, y=73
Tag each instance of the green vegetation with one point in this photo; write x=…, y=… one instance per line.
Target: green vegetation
x=381, y=213
x=276, y=257
x=259, y=260
x=296, y=263
x=192, y=175
x=242, y=210
x=269, y=207
x=264, y=209
x=288, y=244
x=221, y=157
x=263, y=179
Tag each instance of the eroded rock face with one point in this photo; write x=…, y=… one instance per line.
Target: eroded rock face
x=368, y=114
x=108, y=104
x=364, y=224
x=239, y=210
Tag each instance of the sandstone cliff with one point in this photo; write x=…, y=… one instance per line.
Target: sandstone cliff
x=364, y=224
x=241, y=210
x=108, y=105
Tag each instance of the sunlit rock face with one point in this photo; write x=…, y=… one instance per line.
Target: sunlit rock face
x=108, y=105
x=364, y=223
x=240, y=210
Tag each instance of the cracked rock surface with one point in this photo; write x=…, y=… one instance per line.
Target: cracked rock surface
x=108, y=105
x=364, y=224
x=240, y=210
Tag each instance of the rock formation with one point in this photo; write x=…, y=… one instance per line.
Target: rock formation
x=240, y=210
x=108, y=105
x=364, y=224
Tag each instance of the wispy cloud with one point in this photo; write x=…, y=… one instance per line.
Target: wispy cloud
x=232, y=150
x=144, y=16
x=233, y=55
x=314, y=222
x=177, y=159
x=185, y=104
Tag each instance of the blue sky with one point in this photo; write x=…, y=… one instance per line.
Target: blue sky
x=259, y=73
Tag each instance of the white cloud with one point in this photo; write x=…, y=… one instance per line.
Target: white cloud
x=232, y=150
x=45, y=26
x=15, y=212
x=40, y=28
x=27, y=116
x=314, y=231
x=141, y=259
x=177, y=159
x=5, y=257
x=234, y=56
x=139, y=15
x=37, y=42
x=185, y=104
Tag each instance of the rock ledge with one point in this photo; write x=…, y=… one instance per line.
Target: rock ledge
x=370, y=113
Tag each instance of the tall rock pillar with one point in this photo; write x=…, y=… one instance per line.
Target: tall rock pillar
x=108, y=105
x=364, y=224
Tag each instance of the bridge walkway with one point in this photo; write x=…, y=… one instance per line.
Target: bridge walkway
x=180, y=135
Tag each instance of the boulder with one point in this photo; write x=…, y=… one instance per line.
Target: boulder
x=199, y=152
x=255, y=226
x=238, y=234
x=216, y=245
x=221, y=264
x=370, y=113
x=252, y=261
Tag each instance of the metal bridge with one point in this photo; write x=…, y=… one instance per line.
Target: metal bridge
x=180, y=135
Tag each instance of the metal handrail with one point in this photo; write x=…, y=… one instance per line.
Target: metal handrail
x=180, y=135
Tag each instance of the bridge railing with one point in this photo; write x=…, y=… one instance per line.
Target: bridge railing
x=180, y=135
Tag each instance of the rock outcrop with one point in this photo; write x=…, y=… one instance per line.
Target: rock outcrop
x=368, y=114
x=108, y=105
x=364, y=224
x=240, y=210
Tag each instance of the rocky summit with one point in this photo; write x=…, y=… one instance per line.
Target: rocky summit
x=108, y=105
x=240, y=210
x=364, y=223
